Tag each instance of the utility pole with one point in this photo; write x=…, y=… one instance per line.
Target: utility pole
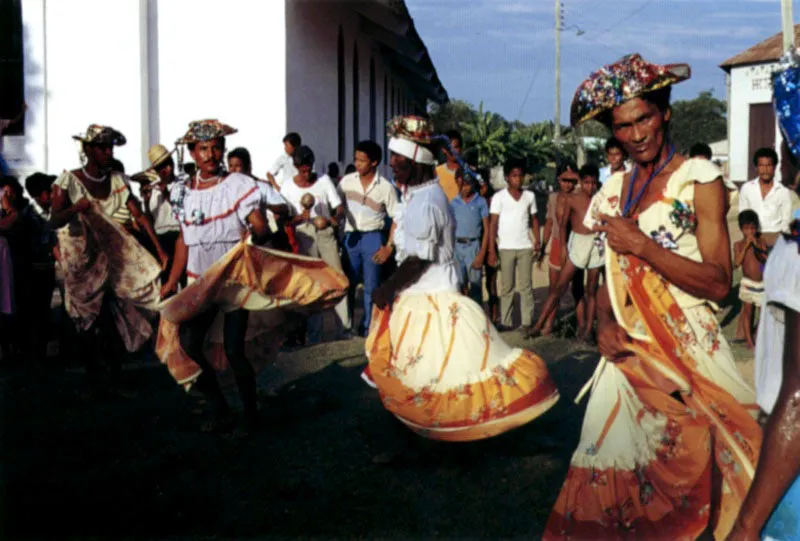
x=557, y=125
x=787, y=18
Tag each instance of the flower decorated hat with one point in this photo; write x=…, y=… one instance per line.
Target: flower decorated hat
x=205, y=130
x=410, y=136
x=101, y=135
x=628, y=78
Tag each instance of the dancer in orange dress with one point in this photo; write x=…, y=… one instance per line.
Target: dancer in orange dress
x=229, y=319
x=669, y=442
x=434, y=355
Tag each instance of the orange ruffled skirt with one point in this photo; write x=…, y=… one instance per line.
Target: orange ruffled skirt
x=648, y=465
x=263, y=281
x=443, y=370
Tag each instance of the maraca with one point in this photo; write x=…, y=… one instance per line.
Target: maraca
x=307, y=201
x=320, y=223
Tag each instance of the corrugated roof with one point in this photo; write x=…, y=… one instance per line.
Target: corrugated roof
x=769, y=50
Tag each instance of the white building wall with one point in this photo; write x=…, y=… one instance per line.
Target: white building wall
x=749, y=85
x=312, y=79
x=29, y=152
x=82, y=64
x=147, y=68
x=224, y=60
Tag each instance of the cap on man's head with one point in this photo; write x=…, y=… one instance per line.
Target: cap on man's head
x=101, y=135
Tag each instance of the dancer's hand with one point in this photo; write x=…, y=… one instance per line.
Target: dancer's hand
x=164, y=259
x=168, y=289
x=624, y=235
x=83, y=206
x=739, y=533
x=383, y=297
x=492, y=259
x=477, y=263
x=382, y=255
x=612, y=341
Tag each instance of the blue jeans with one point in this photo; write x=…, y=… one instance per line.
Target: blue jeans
x=467, y=276
x=360, y=249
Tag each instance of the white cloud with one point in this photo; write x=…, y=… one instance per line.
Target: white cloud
x=531, y=6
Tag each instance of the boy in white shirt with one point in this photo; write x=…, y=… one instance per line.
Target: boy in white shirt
x=514, y=231
x=315, y=226
x=283, y=169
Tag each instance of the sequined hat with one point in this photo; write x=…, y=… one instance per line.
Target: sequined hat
x=628, y=78
x=205, y=130
x=101, y=135
x=410, y=136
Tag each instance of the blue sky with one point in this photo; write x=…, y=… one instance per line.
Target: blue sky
x=502, y=52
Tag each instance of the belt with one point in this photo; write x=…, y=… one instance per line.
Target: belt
x=466, y=240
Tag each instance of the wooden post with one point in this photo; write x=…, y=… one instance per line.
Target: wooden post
x=787, y=18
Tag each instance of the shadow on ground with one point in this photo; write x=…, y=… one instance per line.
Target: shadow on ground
x=139, y=468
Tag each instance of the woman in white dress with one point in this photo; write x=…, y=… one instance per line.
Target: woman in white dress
x=108, y=276
x=439, y=364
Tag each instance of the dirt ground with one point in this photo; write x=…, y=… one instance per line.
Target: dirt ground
x=74, y=468
x=138, y=468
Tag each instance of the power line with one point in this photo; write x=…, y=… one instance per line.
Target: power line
x=628, y=16
x=528, y=93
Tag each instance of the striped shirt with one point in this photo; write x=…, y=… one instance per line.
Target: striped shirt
x=367, y=209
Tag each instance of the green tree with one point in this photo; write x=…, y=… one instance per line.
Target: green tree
x=699, y=120
x=485, y=138
x=533, y=143
x=450, y=115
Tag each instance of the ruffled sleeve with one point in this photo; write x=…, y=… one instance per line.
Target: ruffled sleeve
x=422, y=232
x=66, y=181
x=606, y=201
x=248, y=199
x=782, y=276
x=703, y=171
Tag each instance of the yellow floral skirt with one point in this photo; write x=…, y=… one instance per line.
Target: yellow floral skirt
x=266, y=283
x=443, y=370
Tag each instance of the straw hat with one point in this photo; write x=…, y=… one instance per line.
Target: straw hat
x=158, y=154
x=101, y=135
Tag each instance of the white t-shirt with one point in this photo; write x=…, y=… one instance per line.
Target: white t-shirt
x=367, y=209
x=163, y=218
x=781, y=293
x=326, y=197
x=605, y=172
x=774, y=211
x=514, y=223
x=283, y=169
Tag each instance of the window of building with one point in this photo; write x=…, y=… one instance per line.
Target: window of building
x=341, y=90
x=373, y=98
x=12, y=81
x=356, y=92
x=385, y=117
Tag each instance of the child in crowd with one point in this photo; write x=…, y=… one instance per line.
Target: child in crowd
x=770, y=510
x=515, y=234
x=472, y=235
x=750, y=253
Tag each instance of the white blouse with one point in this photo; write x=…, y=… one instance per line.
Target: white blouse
x=671, y=221
x=213, y=220
x=781, y=293
x=326, y=197
x=115, y=206
x=426, y=229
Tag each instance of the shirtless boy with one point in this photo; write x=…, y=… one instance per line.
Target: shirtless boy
x=751, y=254
x=585, y=252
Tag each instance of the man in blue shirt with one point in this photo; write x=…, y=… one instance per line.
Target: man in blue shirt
x=472, y=235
